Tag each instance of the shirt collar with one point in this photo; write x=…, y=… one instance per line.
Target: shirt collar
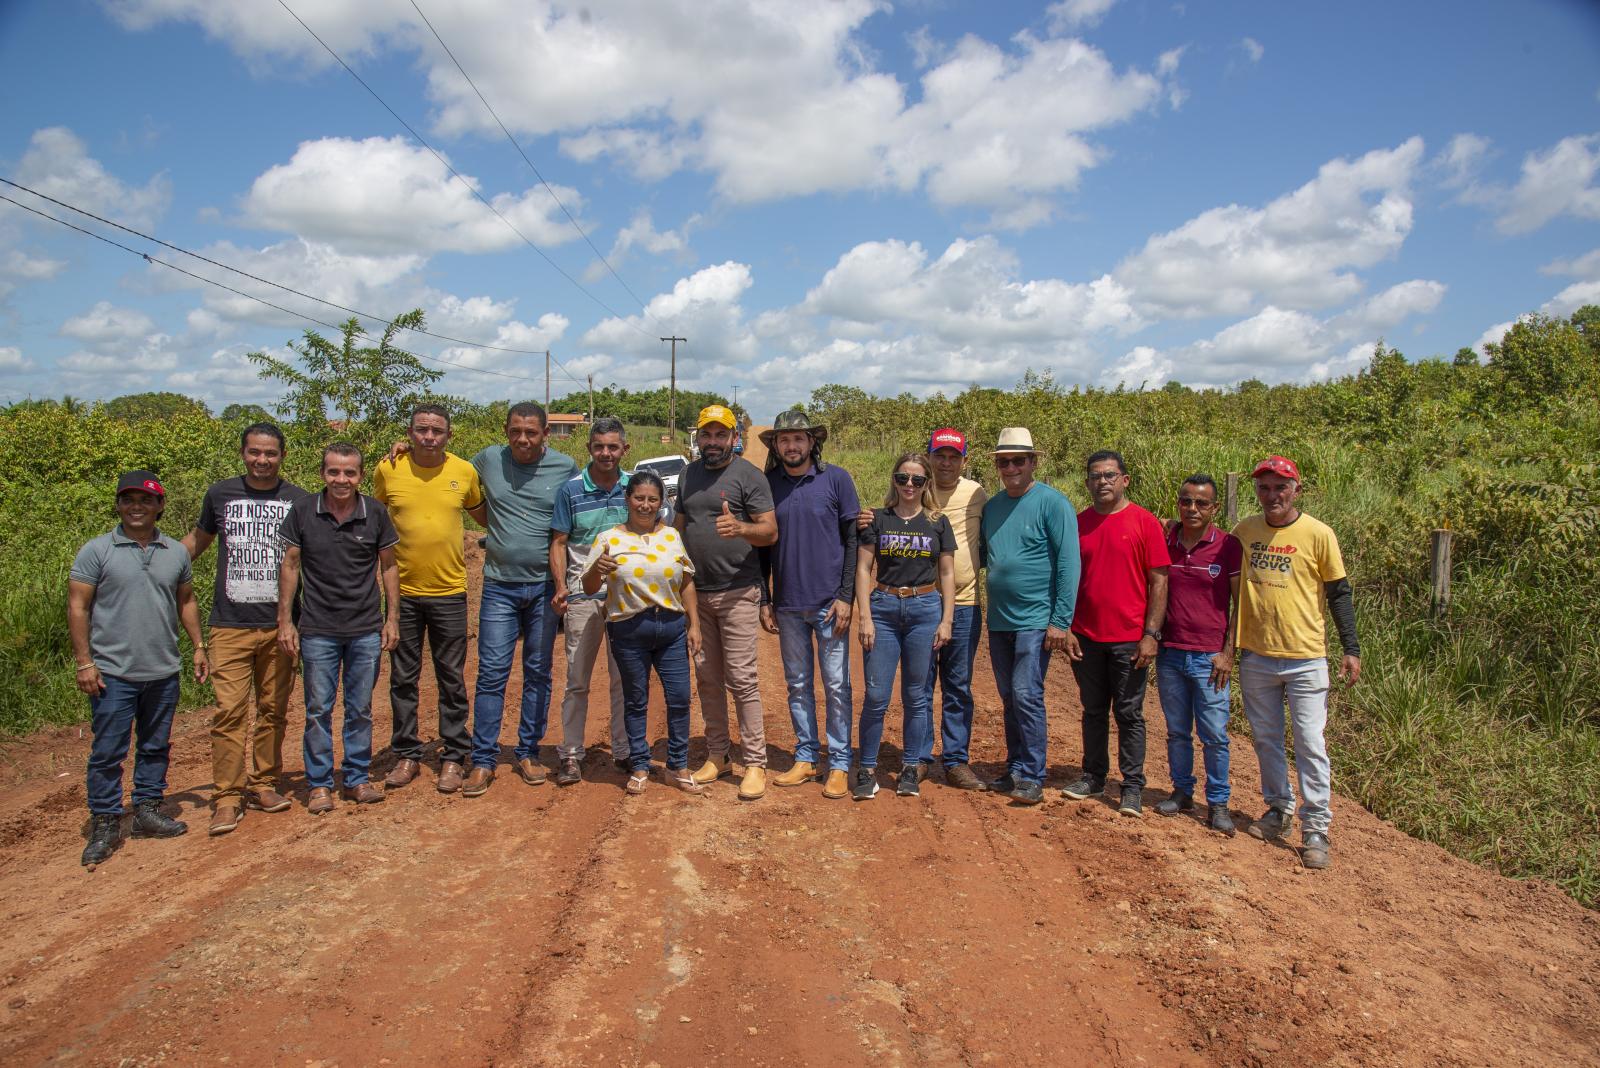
x=1211, y=535
x=809, y=472
x=120, y=538
x=361, y=504
x=590, y=487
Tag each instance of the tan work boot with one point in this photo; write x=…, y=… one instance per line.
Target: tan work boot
x=713, y=769
x=802, y=772
x=266, y=799
x=754, y=784
x=225, y=817
x=477, y=784
x=838, y=784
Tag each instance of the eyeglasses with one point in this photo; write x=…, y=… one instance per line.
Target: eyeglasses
x=1195, y=502
x=1103, y=476
x=902, y=478
x=1012, y=461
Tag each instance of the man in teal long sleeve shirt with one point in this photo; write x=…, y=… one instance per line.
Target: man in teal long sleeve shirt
x=1029, y=545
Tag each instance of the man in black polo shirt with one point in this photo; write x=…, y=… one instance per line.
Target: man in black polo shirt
x=335, y=546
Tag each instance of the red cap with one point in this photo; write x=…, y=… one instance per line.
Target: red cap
x=1277, y=465
x=948, y=438
x=140, y=480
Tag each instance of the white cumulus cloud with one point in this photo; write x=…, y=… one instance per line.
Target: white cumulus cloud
x=1559, y=181
x=106, y=324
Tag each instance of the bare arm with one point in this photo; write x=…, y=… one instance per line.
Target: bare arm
x=558, y=572
x=189, y=616
x=1222, y=663
x=691, y=611
x=80, y=601
x=197, y=541
x=762, y=529
x=480, y=514
x=947, y=596
x=288, y=583
x=389, y=574
x=866, y=563
x=1155, y=613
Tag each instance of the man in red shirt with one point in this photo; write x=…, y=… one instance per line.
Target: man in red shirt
x=1196, y=659
x=1116, y=631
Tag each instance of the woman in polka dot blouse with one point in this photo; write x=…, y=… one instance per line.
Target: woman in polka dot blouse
x=650, y=621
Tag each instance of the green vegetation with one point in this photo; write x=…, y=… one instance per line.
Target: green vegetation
x=1479, y=731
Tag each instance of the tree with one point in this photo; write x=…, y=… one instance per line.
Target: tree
x=149, y=407
x=372, y=384
x=240, y=412
x=1541, y=361
x=1466, y=357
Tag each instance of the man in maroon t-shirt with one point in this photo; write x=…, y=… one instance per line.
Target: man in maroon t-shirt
x=1116, y=630
x=1196, y=658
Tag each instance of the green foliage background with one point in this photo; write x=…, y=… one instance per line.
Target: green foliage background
x=1479, y=731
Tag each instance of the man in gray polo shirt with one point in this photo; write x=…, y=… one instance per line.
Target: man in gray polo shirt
x=126, y=593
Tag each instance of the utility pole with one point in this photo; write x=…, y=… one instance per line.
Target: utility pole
x=672, y=398
x=547, y=378
x=591, y=400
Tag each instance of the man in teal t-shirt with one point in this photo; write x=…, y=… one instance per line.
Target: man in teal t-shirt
x=1029, y=545
x=520, y=479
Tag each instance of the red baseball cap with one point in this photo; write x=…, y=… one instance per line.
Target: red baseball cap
x=1277, y=465
x=140, y=480
x=948, y=438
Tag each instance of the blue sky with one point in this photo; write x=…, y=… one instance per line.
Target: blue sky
x=908, y=197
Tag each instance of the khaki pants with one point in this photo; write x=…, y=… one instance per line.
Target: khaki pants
x=246, y=660
x=729, y=625
x=585, y=634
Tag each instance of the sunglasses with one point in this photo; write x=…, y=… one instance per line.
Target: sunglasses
x=1103, y=476
x=1195, y=502
x=902, y=478
x=1012, y=461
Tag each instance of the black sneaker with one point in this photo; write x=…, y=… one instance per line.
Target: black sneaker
x=865, y=787
x=910, y=775
x=1003, y=785
x=102, y=839
x=148, y=822
x=1132, y=801
x=1176, y=803
x=1221, y=821
x=1273, y=824
x=569, y=773
x=1314, y=850
x=1027, y=793
x=1086, y=787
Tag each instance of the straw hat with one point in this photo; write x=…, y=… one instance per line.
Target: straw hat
x=1014, y=439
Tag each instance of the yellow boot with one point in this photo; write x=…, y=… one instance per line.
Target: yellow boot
x=712, y=770
x=754, y=784
x=838, y=784
x=802, y=772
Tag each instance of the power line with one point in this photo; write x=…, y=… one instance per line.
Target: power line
x=250, y=296
x=257, y=278
x=516, y=145
x=456, y=174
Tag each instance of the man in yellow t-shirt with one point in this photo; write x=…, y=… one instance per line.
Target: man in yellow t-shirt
x=426, y=490
x=1292, y=566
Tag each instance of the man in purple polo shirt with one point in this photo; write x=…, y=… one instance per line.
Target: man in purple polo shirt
x=813, y=580
x=1196, y=658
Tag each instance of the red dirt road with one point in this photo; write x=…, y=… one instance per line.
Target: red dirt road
x=538, y=926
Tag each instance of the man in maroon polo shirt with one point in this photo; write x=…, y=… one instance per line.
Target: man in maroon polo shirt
x=1196, y=659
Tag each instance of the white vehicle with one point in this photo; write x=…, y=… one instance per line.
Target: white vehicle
x=667, y=468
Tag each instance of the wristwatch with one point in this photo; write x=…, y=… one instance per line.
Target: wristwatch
x=1156, y=634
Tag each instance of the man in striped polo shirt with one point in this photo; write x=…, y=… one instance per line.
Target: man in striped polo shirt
x=594, y=501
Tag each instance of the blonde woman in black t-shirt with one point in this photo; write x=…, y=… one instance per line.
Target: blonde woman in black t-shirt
x=905, y=600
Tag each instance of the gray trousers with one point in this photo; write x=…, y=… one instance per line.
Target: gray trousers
x=585, y=634
x=1268, y=684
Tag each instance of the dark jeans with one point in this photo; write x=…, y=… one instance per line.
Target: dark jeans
x=654, y=637
x=324, y=660
x=443, y=620
x=1020, y=660
x=953, y=666
x=509, y=611
x=143, y=709
x=1110, y=685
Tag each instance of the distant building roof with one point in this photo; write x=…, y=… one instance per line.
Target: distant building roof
x=562, y=417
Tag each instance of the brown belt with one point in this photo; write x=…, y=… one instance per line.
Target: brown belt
x=908, y=591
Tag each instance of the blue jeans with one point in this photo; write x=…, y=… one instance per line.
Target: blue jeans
x=795, y=630
x=954, y=671
x=143, y=709
x=905, y=628
x=323, y=658
x=1189, y=703
x=512, y=610
x=654, y=637
x=1020, y=660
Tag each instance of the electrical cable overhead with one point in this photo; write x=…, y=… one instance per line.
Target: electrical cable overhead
x=456, y=174
x=257, y=278
x=250, y=296
x=643, y=306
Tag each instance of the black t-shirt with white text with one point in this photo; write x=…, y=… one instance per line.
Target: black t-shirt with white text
x=908, y=550
x=245, y=523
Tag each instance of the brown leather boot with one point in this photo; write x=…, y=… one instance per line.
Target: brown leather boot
x=362, y=794
x=478, y=780
x=266, y=799
x=320, y=802
x=802, y=772
x=449, y=777
x=225, y=816
x=533, y=773
x=402, y=773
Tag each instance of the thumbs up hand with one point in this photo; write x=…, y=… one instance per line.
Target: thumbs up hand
x=607, y=563
x=727, y=525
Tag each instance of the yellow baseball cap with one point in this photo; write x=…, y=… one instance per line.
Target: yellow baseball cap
x=716, y=413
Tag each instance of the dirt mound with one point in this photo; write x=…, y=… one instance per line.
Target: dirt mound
x=582, y=926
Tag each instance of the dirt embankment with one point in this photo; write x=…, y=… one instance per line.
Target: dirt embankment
x=580, y=926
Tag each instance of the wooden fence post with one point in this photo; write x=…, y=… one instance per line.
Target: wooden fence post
x=1440, y=572
x=1233, y=499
